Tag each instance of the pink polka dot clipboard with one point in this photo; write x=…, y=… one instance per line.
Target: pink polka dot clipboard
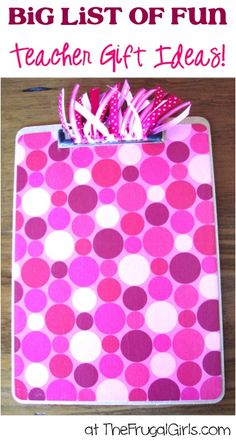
x=116, y=279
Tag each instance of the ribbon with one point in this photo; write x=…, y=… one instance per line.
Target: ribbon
x=117, y=115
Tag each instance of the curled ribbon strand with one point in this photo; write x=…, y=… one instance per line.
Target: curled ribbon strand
x=117, y=115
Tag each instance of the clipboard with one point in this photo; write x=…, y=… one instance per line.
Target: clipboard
x=116, y=294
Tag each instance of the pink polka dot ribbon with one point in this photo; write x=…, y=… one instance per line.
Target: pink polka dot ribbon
x=162, y=108
x=159, y=96
x=117, y=115
x=114, y=114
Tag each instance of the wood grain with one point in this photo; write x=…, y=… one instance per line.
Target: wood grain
x=212, y=99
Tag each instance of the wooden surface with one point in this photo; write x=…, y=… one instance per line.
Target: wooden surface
x=212, y=99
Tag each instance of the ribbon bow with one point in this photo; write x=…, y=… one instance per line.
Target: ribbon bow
x=117, y=115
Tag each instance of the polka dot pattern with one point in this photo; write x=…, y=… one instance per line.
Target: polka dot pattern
x=115, y=274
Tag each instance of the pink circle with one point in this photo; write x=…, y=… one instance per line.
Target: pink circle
x=58, y=198
x=158, y=241
x=59, y=218
x=86, y=395
x=211, y=389
x=59, y=291
x=157, y=214
x=136, y=345
x=60, y=319
x=189, y=373
x=204, y=191
x=37, y=140
x=84, y=321
x=162, y=342
x=199, y=143
x=160, y=288
x=106, y=173
x=186, y=296
x=153, y=149
x=108, y=243
x=105, y=151
x=183, y=344
x=36, y=394
x=61, y=390
x=178, y=151
x=36, y=160
x=35, y=248
x=84, y=271
x=109, y=318
x=36, y=179
x=19, y=319
x=59, y=270
x=199, y=127
x=107, y=195
x=205, y=212
x=56, y=153
x=137, y=374
x=60, y=344
x=154, y=170
x=204, y=240
x=20, y=390
x=182, y=221
x=35, y=300
x=86, y=375
x=60, y=366
x=19, y=220
x=18, y=292
x=133, y=244
x=137, y=395
x=36, y=346
x=82, y=156
x=18, y=365
x=131, y=196
x=35, y=228
x=208, y=315
x=209, y=264
x=132, y=223
x=109, y=289
x=20, y=247
x=16, y=344
x=110, y=343
x=108, y=268
x=179, y=171
x=180, y=194
x=185, y=267
x=59, y=175
x=111, y=366
x=21, y=178
x=159, y=266
x=35, y=272
x=83, y=225
x=135, y=320
x=187, y=318
x=189, y=393
x=83, y=246
x=130, y=173
x=134, y=298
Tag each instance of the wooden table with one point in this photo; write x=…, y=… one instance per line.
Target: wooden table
x=212, y=99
